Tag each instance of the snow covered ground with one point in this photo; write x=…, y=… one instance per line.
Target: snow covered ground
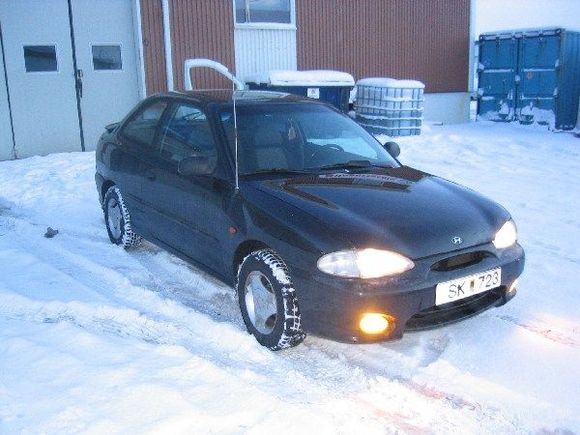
x=96, y=339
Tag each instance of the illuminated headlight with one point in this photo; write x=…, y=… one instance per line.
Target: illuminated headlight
x=506, y=236
x=364, y=263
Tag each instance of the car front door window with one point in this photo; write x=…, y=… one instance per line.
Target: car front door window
x=187, y=133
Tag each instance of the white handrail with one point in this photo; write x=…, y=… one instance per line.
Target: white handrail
x=207, y=63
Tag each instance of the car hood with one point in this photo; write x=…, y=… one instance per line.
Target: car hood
x=402, y=209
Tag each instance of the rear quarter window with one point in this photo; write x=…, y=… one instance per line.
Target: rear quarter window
x=142, y=126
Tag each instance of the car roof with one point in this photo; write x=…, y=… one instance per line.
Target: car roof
x=225, y=96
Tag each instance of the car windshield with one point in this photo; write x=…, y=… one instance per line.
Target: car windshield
x=297, y=137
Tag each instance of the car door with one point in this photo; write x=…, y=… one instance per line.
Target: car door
x=130, y=161
x=190, y=209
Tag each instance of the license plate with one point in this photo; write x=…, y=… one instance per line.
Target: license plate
x=451, y=291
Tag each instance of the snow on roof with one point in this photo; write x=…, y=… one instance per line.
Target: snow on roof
x=386, y=82
x=298, y=78
x=508, y=33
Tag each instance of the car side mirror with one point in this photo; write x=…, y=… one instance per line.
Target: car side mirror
x=393, y=149
x=195, y=165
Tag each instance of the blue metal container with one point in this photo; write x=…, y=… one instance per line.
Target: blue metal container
x=338, y=96
x=530, y=76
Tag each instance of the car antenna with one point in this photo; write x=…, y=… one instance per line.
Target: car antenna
x=235, y=138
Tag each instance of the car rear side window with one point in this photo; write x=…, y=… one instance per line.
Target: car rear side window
x=143, y=125
x=186, y=133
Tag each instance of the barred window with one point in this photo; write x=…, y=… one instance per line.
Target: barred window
x=263, y=11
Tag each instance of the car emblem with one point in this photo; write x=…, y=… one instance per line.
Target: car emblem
x=457, y=240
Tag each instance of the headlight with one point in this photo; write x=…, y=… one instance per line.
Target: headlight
x=365, y=263
x=506, y=236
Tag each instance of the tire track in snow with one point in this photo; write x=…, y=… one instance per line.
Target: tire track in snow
x=155, y=296
x=544, y=331
x=129, y=322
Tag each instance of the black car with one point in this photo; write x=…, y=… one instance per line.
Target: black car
x=318, y=226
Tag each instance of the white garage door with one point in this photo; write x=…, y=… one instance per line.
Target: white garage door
x=105, y=49
x=40, y=76
x=6, y=143
x=63, y=90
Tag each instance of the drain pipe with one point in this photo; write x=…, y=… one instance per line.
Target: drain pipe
x=167, y=43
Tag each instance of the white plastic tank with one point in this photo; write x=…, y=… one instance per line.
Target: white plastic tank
x=390, y=106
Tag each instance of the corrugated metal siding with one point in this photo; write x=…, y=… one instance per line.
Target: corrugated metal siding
x=426, y=40
x=202, y=29
x=153, y=48
x=260, y=50
x=569, y=89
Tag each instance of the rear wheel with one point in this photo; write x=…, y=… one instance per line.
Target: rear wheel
x=118, y=220
x=268, y=301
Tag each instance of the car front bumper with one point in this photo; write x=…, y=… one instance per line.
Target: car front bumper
x=332, y=306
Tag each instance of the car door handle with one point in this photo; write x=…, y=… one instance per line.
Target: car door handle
x=150, y=175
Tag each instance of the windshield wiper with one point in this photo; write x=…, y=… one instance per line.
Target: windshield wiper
x=353, y=164
x=277, y=171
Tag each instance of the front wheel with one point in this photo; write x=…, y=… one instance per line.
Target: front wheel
x=118, y=220
x=268, y=301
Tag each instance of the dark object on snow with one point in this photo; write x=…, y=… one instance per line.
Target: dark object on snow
x=323, y=232
x=50, y=233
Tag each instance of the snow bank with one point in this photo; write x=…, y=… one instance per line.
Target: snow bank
x=385, y=82
x=94, y=338
x=528, y=32
x=531, y=114
x=302, y=78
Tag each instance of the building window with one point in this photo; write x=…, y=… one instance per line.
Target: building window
x=40, y=58
x=107, y=57
x=263, y=11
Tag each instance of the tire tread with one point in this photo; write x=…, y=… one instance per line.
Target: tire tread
x=129, y=238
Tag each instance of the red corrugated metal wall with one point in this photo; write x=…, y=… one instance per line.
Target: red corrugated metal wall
x=426, y=40
x=199, y=29
x=202, y=29
x=153, y=48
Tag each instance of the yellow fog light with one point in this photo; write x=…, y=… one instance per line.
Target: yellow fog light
x=513, y=289
x=376, y=323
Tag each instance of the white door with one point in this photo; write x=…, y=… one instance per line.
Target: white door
x=264, y=36
x=6, y=144
x=41, y=82
x=105, y=49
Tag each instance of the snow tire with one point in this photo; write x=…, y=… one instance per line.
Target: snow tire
x=287, y=330
x=123, y=235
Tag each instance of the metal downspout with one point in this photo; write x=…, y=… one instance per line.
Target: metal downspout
x=167, y=44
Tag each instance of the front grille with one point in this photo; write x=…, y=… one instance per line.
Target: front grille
x=454, y=311
x=459, y=261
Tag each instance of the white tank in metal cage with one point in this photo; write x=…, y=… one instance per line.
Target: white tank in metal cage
x=389, y=106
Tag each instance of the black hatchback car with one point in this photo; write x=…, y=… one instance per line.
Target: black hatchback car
x=318, y=226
